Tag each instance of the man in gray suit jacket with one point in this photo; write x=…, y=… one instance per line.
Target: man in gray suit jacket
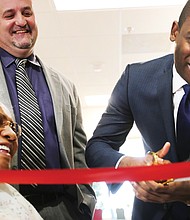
x=149, y=94
x=64, y=137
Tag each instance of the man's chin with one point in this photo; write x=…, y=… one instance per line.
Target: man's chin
x=24, y=45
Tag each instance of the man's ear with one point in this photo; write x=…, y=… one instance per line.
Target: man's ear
x=174, y=31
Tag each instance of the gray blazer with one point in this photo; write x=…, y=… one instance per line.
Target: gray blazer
x=72, y=139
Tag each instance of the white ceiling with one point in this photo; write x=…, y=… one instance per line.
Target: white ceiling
x=111, y=4
x=92, y=48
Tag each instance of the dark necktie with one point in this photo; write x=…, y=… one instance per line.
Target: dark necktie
x=33, y=149
x=183, y=126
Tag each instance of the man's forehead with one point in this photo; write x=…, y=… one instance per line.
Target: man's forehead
x=7, y=5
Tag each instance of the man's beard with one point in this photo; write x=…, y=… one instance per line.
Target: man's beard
x=27, y=45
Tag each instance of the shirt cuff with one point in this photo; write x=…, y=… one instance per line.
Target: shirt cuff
x=117, y=164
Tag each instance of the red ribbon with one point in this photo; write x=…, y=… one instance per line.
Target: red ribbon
x=109, y=175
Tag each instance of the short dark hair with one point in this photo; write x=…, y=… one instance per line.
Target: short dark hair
x=185, y=13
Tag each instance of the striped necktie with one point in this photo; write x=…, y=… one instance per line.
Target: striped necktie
x=33, y=148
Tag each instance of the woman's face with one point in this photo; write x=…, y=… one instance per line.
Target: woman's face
x=8, y=138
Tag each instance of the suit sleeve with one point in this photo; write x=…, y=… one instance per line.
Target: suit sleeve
x=112, y=129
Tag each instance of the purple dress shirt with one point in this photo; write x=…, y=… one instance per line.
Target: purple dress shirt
x=40, y=86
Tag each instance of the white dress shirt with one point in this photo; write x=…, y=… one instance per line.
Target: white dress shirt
x=178, y=91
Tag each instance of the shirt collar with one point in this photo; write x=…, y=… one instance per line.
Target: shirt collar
x=7, y=59
x=33, y=59
x=178, y=81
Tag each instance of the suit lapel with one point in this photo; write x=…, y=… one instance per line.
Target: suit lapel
x=55, y=89
x=165, y=97
x=4, y=94
x=60, y=112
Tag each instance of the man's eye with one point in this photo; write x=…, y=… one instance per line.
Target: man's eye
x=8, y=16
x=27, y=13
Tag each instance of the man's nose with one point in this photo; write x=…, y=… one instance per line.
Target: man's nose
x=20, y=20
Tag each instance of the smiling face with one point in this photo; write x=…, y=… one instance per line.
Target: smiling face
x=181, y=36
x=17, y=27
x=8, y=138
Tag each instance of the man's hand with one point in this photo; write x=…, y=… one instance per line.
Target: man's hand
x=147, y=160
x=152, y=191
x=157, y=191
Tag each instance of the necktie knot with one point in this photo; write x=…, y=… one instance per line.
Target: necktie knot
x=20, y=63
x=186, y=89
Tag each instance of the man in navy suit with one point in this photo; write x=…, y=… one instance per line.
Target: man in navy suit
x=148, y=94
